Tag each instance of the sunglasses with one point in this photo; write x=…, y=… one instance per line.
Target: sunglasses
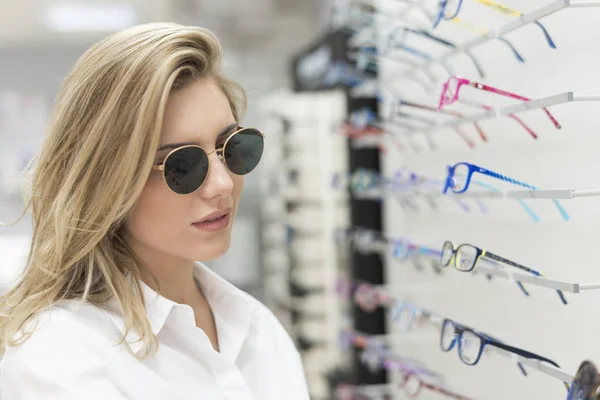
x=186, y=168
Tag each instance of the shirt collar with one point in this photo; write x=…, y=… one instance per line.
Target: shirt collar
x=232, y=308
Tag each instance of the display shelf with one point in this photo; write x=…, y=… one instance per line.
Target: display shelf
x=492, y=34
x=558, y=71
x=538, y=280
x=308, y=213
x=553, y=100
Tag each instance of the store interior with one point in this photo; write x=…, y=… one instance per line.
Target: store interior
x=423, y=215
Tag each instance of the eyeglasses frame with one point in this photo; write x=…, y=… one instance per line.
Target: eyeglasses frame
x=482, y=253
x=462, y=81
x=474, y=168
x=219, y=151
x=484, y=341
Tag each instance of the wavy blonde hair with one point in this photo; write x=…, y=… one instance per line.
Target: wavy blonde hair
x=103, y=135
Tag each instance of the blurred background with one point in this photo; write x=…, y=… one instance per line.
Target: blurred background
x=396, y=130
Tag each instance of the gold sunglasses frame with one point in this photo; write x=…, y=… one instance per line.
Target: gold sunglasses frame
x=219, y=152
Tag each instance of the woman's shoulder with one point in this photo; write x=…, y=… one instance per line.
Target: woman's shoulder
x=64, y=330
x=72, y=352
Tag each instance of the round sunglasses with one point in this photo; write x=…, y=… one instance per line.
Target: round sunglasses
x=185, y=168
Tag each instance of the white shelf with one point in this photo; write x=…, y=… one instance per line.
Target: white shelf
x=538, y=280
x=548, y=194
x=540, y=366
x=544, y=102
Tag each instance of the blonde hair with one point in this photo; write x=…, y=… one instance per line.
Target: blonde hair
x=103, y=134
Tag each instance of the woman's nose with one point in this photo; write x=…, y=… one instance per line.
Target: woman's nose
x=218, y=182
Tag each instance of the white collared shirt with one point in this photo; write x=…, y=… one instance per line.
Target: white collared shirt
x=73, y=356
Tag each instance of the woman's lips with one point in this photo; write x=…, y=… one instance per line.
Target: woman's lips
x=214, y=215
x=214, y=225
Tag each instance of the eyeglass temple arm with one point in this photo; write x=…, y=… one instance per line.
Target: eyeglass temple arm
x=560, y=293
x=415, y=52
x=513, y=116
x=475, y=62
x=527, y=128
x=427, y=57
x=520, y=352
x=463, y=136
x=501, y=92
x=437, y=19
x=531, y=213
x=493, y=342
x=504, y=178
x=493, y=174
x=428, y=251
x=500, y=7
x=446, y=112
x=522, y=267
x=512, y=48
x=468, y=53
x=503, y=260
x=547, y=36
x=514, y=96
x=464, y=206
x=506, y=261
x=430, y=108
x=445, y=42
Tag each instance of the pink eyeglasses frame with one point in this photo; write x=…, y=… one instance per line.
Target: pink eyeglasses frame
x=446, y=99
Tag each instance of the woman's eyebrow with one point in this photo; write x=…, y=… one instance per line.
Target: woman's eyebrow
x=223, y=132
x=227, y=130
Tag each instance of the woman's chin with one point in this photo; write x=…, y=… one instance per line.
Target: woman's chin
x=209, y=251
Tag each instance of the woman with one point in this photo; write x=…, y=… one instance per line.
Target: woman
x=141, y=174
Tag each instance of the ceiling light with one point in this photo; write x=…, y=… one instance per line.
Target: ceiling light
x=77, y=17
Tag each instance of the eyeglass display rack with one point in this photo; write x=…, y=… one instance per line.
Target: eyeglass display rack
x=315, y=70
x=558, y=158
x=300, y=257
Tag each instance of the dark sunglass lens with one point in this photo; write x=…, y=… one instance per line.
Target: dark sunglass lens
x=186, y=169
x=243, y=151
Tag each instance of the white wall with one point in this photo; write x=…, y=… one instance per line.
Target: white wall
x=558, y=159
